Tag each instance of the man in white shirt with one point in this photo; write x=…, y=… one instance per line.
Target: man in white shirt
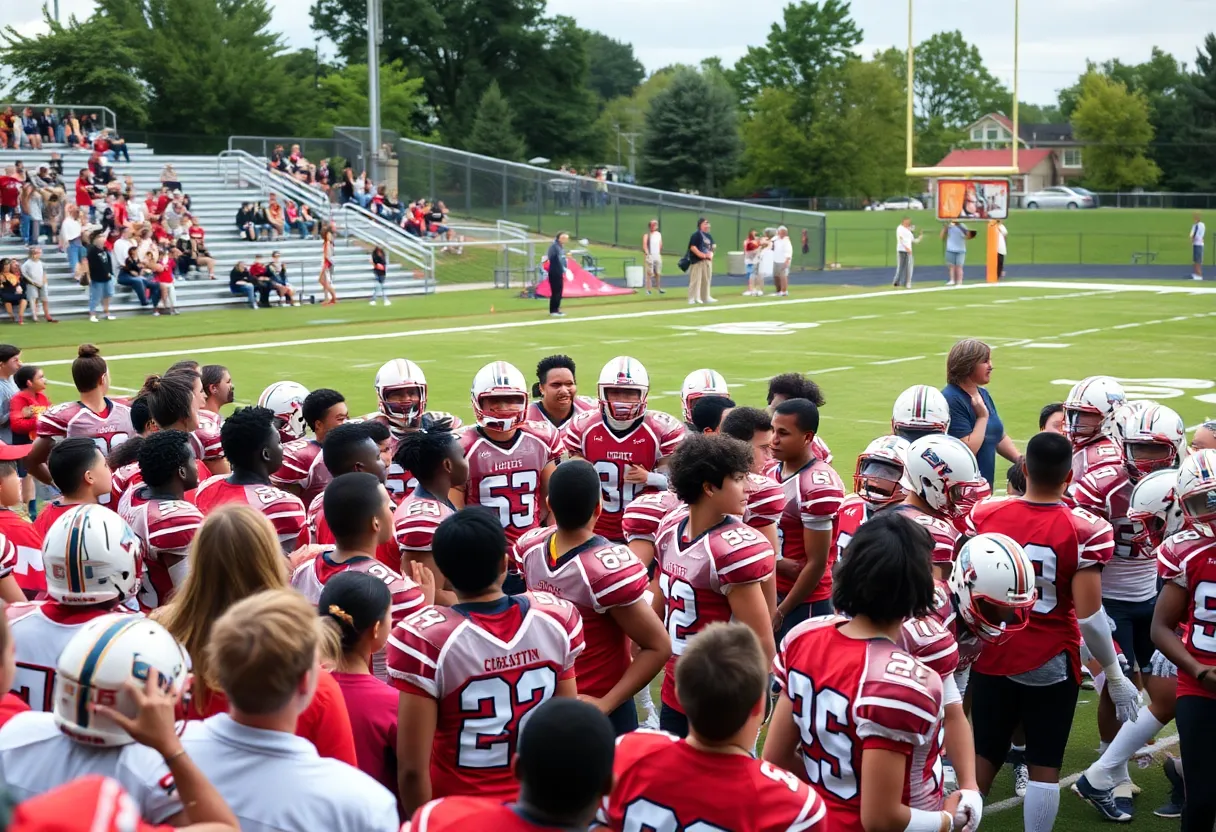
x=264, y=651
x=1001, y=233
x=1199, y=232
x=783, y=255
x=903, y=254
x=652, y=250
x=123, y=246
x=34, y=273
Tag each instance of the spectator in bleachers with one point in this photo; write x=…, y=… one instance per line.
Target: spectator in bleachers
x=123, y=245
x=6, y=129
x=379, y=264
x=257, y=273
x=174, y=214
x=292, y=221
x=122, y=219
x=146, y=247
x=137, y=212
x=71, y=129
x=33, y=271
x=310, y=222
x=30, y=206
x=194, y=252
x=100, y=275
x=118, y=145
x=53, y=126
x=261, y=222
x=52, y=217
x=131, y=274
x=276, y=270
x=169, y=179
x=69, y=236
x=88, y=126
x=436, y=221
x=84, y=192
x=29, y=126
x=241, y=283
x=274, y=217
x=347, y=189
x=10, y=198
x=165, y=263
x=12, y=293
x=43, y=180
x=363, y=191
x=244, y=222
x=56, y=166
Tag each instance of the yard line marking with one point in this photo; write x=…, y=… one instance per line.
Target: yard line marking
x=827, y=370
x=1079, y=332
x=112, y=386
x=1034, y=346
x=1161, y=744
x=497, y=328
x=1131, y=325
x=864, y=317
x=898, y=360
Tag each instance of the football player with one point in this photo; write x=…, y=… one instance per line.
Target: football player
x=470, y=674
x=1155, y=515
x=1189, y=570
x=1053, y=418
x=626, y=443
x=1204, y=438
x=708, y=413
x=94, y=563
x=219, y=391
x=607, y=584
x=711, y=566
x=510, y=460
x=80, y=736
x=700, y=383
x=205, y=433
x=252, y=446
x=158, y=512
x=79, y=471
x=359, y=513
x=807, y=529
x=304, y=473
x=93, y=416
x=285, y=399
x=877, y=483
x=945, y=482
x=854, y=706
x=919, y=411
x=710, y=778
x=1035, y=676
x=564, y=767
x=1089, y=413
x=438, y=458
x=557, y=393
x=401, y=393
x=797, y=386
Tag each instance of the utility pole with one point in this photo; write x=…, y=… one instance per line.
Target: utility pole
x=375, y=36
x=56, y=11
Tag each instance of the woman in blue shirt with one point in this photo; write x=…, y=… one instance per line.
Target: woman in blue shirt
x=973, y=415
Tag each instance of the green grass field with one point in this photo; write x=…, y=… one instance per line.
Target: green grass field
x=862, y=346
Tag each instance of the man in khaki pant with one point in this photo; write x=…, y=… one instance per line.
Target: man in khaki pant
x=701, y=272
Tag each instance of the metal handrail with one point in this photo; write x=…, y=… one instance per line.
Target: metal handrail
x=61, y=108
x=257, y=172
x=356, y=219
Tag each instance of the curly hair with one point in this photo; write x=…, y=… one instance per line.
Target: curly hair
x=706, y=458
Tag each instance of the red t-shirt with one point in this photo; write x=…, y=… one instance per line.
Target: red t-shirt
x=28, y=539
x=10, y=191
x=372, y=706
x=84, y=199
x=120, y=214
x=257, y=270
x=325, y=722
x=11, y=704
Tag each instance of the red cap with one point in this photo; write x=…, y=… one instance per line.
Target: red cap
x=8, y=453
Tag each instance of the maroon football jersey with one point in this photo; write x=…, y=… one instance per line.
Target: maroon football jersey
x=944, y=535
x=415, y=521
x=167, y=528
x=848, y=695
x=205, y=440
x=853, y=512
x=506, y=479
x=1188, y=558
x=486, y=666
x=316, y=531
x=969, y=645
x=1101, y=452
x=399, y=481
x=595, y=577
x=662, y=782
x=1059, y=541
x=765, y=501
x=821, y=450
x=934, y=645
x=8, y=556
x=652, y=439
x=644, y=514
x=70, y=420
x=303, y=468
x=284, y=511
x=460, y=814
x=695, y=576
x=1106, y=491
x=813, y=497
x=581, y=404
x=129, y=477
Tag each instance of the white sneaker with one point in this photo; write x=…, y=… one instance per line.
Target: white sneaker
x=759, y=293
x=711, y=300
x=651, y=722
x=297, y=303
x=156, y=313
x=388, y=302
x=93, y=318
x=1196, y=277
x=111, y=318
x=693, y=301
x=373, y=303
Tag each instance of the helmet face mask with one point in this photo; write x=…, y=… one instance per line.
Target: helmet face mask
x=993, y=583
x=1154, y=510
x=944, y=473
x=1143, y=458
x=401, y=393
x=700, y=383
x=878, y=475
x=1090, y=409
x=499, y=396
x=1153, y=438
x=286, y=400
x=623, y=387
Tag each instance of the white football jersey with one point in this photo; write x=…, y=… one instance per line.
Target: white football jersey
x=35, y=757
x=276, y=782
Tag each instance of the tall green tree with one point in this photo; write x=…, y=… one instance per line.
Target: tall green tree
x=94, y=61
x=344, y=99
x=777, y=148
x=691, y=137
x=951, y=84
x=812, y=38
x=1114, y=124
x=1197, y=138
x=626, y=116
x=493, y=129
x=612, y=69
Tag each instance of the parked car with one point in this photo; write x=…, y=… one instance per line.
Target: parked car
x=1061, y=196
x=898, y=203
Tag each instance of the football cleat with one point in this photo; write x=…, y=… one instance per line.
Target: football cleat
x=623, y=374
x=396, y=376
x=1089, y=410
x=92, y=556
x=993, y=584
x=286, y=400
x=700, y=383
x=506, y=384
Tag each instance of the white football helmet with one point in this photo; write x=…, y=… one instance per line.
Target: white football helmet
x=1197, y=487
x=1154, y=509
x=1154, y=438
x=286, y=400
x=700, y=383
x=993, y=582
x=1126, y=412
x=499, y=379
x=1090, y=408
x=92, y=556
x=401, y=374
x=623, y=373
x=96, y=663
x=919, y=410
x=944, y=472
x=880, y=463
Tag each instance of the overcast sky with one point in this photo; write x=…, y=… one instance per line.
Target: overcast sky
x=1057, y=35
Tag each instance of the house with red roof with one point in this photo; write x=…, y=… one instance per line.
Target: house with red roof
x=1048, y=154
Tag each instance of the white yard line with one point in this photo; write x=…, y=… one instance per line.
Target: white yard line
x=113, y=387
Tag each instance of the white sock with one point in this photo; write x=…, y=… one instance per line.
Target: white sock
x=1111, y=767
x=1102, y=746
x=643, y=699
x=1041, y=806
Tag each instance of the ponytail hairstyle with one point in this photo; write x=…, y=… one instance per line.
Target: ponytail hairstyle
x=88, y=369
x=352, y=603
x=170, y=397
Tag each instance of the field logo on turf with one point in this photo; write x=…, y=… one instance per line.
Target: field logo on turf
x=751, y=328
x=1156, y=389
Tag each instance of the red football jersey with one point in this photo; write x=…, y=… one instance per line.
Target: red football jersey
x=89, y=804
x=1097, y=454
x=458, y=814
x=1106, y=491
x=27, y=541
x=416, y=519
x=316, y=531
x=944, y=535
x=765, y=501
x=167, y=528
x=664, y=783
x=69, y=420
x=1059, y=541
x=303, y=468
x=969, y=645
x=853, y=512
x=821, y=450
x=311, y=576
x=653, y=438
x=581, y=404
x=1187, y=559
x=401, y=482
x=848, y=695
x=813, y=497
x=595, y=577
x=934, y=645
x=644, y=514
x=129, y=476
x=486, y=665
x=695, y=576
x=8, y=556
x=205, y=440
x=284, y=511
x=506, y=479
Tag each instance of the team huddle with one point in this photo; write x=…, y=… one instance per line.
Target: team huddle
x=506, y=593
